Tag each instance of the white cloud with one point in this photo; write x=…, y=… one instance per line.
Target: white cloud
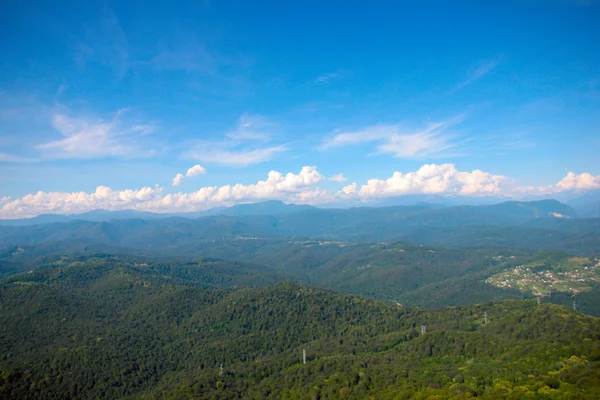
x=369, y=134
x=418, y=145
x=431, y=179
x=392, y=139
x=78, y=202
x=239, y=149
x=301, y=187
x=210, y=153
x=251, y=127
x=88, y=138
x=276, y=186
x=196, y=170
x=178, y=180
x=572, y=182
x=583, y=181
x=338, y=178
x=350, y=189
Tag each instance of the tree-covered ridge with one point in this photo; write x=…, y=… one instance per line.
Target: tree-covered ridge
x=111, y=330
x=412, y=275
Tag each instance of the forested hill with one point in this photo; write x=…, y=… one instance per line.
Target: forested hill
x=412, y=275
x=113, y=331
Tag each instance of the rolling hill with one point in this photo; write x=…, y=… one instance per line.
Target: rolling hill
x=111, y=330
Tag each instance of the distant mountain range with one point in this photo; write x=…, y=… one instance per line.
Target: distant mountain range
x=546, y=224
x=272, y=207
x=514, y=209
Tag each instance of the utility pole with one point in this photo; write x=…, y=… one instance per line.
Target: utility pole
x=423, y=329
x=485, y=317
x=303, y=356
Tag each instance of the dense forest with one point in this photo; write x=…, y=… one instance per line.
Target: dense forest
x=223, y=306
x=104, y=328
x=411, y=275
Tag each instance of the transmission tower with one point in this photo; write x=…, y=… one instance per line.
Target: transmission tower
x=485, y=317
x=574, y=306
x=303, y=356
x=539, y=300
x=221, y=371
x=423, y=329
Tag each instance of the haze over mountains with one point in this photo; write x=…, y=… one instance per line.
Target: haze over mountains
x=545, y=224
x=581, y=207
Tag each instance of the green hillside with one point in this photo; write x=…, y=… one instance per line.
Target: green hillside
x=411, y=275
x=117, y=330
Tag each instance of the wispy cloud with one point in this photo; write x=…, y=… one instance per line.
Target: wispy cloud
x=484, y=68
x=239, y=148
x=252, y=127
x=393, y=139
x=86, y=138
x=209, y=153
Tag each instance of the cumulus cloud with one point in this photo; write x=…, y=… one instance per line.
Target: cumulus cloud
x=583, y=181
x=196, y=170
x=301, y=187
x=572, y=182
x=78, y=202
x=178, y=180
x=338, y=178
x=277, y=186
x=430, y=179
x=401, y=143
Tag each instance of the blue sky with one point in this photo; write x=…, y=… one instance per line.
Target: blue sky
x=123, y=96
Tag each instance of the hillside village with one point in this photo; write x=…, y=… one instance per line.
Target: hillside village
x=573, y=275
